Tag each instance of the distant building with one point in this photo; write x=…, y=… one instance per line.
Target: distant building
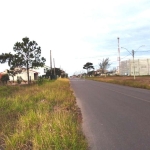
x=138, y=67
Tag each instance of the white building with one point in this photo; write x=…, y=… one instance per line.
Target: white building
x=137, y=67
x=33, y=75
x=41, y=70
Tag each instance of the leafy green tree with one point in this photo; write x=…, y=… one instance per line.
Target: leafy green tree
x=58, y=72
x=104, y=65
x=88, y=66
x=6, y=57
x=64, y=74
x=27, y=54
x=91, y=73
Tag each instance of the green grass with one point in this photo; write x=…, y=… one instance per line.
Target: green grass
x=43, y=117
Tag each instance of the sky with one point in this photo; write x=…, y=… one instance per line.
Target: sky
x=78, y=31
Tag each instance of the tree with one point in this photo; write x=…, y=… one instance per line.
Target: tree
x=27, y=54
x=51, y=74
x=104, y=65
x=113, y=70
x=64, y=74
x=58, y=72
x=88, y=66
x=6, y=57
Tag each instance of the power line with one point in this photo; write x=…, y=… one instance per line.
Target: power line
x=143, y=51
x=125, y=56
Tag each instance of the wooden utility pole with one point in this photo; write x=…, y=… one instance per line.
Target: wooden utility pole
x=51, y=62
x=54, y=66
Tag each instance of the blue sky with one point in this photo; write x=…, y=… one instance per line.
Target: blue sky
x=77, y=31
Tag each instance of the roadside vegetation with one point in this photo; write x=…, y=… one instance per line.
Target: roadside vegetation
x=139, y=82
x=41, y=116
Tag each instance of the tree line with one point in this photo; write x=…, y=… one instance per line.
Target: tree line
x=103, y=66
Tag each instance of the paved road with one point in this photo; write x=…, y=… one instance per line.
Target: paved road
x=114, y=117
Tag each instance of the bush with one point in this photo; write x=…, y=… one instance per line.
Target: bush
x=40, y=81
x=19, y=80
x=5, y=78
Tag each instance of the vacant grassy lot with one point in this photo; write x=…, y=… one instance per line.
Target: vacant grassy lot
x=41, y=117
x=139, y=82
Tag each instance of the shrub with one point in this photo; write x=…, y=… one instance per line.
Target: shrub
x=5, y=78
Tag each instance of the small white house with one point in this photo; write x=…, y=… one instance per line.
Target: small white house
x=33, y=75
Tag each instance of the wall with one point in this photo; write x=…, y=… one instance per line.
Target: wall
x=138, y=66
x=23, y=75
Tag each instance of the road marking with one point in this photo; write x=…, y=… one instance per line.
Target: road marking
x=123, y=93
x=79, y=80
x=129, y=95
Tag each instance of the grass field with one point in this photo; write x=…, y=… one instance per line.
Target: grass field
x=40, y=117
x=139, y=82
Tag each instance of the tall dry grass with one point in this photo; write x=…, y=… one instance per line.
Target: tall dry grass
x=139, y=82
x=43, y=117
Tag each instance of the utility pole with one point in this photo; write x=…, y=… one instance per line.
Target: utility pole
x=54, y=66
x=133, y=52
x=51, y=62
x=118, y=56
x=133, y=63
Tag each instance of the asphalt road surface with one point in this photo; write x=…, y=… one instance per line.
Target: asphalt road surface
x=114, y=117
